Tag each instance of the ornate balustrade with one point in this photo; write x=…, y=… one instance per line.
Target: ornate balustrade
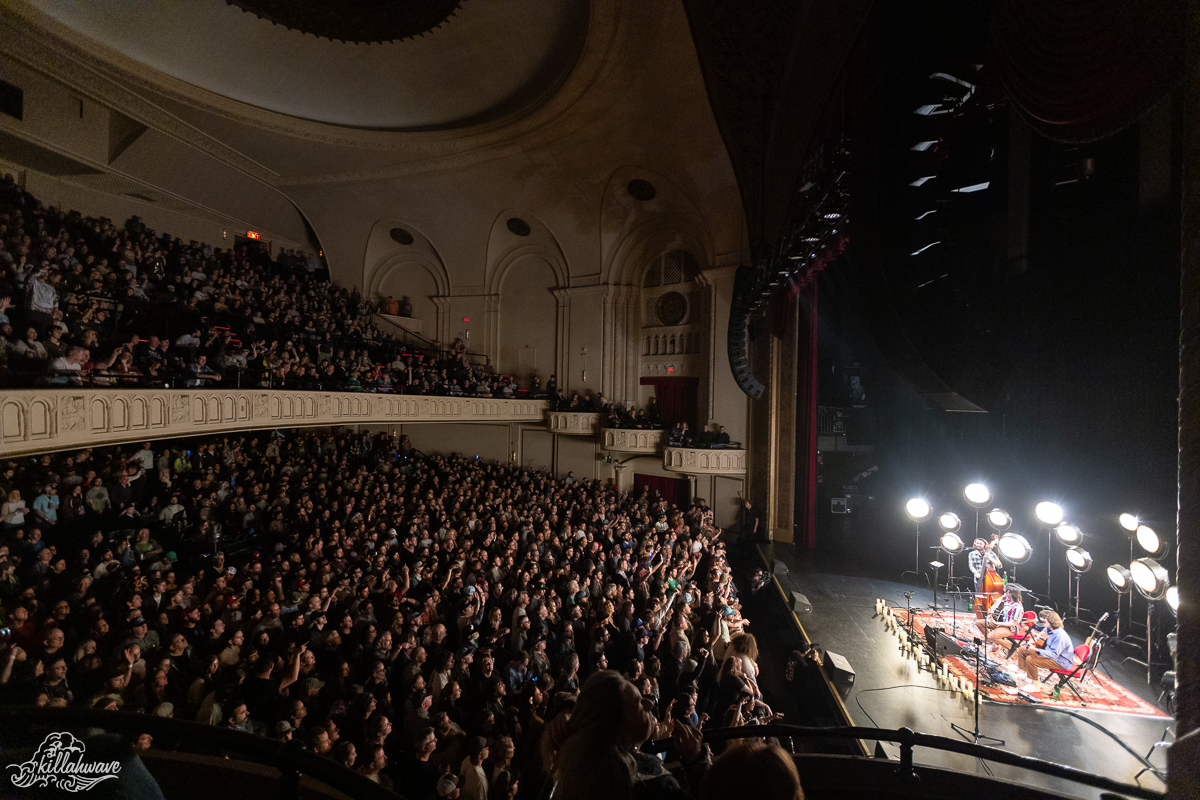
x=58, y=419
x=572, y=423
x=702, y=461
x=626, y=440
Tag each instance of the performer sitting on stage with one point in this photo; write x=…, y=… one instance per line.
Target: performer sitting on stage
x=979, y=560
x=1002, y=618
x=1058, y=653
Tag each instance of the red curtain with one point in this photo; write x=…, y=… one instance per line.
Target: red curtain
x=673, y=490
x=1078, y=71
x=676, y=399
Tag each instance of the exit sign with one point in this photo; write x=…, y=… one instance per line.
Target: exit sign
x=253, y=235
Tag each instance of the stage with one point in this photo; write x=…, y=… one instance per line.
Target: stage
x=891, y=691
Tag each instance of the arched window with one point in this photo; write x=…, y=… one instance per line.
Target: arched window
x=673, y=266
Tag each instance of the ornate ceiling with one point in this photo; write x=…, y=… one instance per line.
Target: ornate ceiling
x=356, y=21
x=487, y=61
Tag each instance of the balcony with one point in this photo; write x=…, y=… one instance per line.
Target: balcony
x=703, y=461
x=627, y=440
x=572, y=423
x=41, y=420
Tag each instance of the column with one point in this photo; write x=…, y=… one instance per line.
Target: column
x=1184, y=756
x=806, y=419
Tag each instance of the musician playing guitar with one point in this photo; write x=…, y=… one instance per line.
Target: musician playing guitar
x=1003, y=617
x=980, y=559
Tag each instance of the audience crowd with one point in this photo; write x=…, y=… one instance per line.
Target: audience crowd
x=82, y=300
x=426, y=621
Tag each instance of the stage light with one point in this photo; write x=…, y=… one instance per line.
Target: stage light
x=922, y=181
x=1015, y=548
x=949, y=522
x=920, y=250
x=1068, y=534
x=1149, y=578
x=918, y=508
x=1049, y=513
x=999, y=519
x=921, y=147
x=977, y=495
x=1078, y=559
x=1119, y=579
x=926, y=214
x=1173, y=599
x=1129, y=522
x=951, y=543
x=1154, y=545
x=975, y=187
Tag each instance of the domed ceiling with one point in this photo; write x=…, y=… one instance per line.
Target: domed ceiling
x=482, y=59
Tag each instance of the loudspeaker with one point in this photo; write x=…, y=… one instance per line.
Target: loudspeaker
x=947, y=646
x=838, y=669
x=800, y=604
x=778, y=567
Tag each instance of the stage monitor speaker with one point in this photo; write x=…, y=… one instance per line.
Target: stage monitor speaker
x=778, y=567
x=943, y=645
x=838, y=669
x=800, y=604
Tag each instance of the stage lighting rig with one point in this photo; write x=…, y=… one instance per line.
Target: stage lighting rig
x=918, y=509
x=1129, y=522
x=1080, y=561
x=1154, y=545
x=949, y=522
x=977, y=495
x=999, y=519
x=1049, y=513
x=1070, y=535
x=1152, y=582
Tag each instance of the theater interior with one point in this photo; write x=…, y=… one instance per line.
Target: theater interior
x=600, y=398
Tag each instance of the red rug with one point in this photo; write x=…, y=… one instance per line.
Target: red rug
x=1099, y=691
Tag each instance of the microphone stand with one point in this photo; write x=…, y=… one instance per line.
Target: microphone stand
x=976, y=735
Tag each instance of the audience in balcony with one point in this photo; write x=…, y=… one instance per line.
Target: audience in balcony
x=330, y=587
x=270, y=323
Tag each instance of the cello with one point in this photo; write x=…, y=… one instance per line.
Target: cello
x=993, y=584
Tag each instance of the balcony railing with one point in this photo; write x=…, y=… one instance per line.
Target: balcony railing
x=632, y=440
x=705, y=461
x=53, y=419
x=570, y=422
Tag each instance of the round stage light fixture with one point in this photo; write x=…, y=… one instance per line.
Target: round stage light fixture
x=1173, y=599
x=1129, y=522
x=1149, y=540
x=918, y=508
x=977, y=495
x=1049, y=513
x=1150, y=578
x=1070, y=535
x=999, y=519
x=952, y=543
x=949, y=522
x=1015, y=548
x=1119, y=579
x=1078, y=559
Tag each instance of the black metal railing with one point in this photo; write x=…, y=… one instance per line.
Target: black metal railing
x=909, y=739
x=293, y=761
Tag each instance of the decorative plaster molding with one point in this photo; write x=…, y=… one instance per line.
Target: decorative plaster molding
x=698, y=461
x=572, y=423
x=627, y=440
x=61, y=419
x=58, y=51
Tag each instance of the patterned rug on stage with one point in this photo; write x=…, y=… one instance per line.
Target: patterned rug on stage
x=1099, y=691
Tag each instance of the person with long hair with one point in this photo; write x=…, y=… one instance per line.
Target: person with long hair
x=599, y=758
x=756, y=769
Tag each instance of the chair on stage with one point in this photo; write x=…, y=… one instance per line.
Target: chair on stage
x=1087, y=657
x=1027, y=619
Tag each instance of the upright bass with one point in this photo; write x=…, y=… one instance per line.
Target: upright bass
x=993, y=584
